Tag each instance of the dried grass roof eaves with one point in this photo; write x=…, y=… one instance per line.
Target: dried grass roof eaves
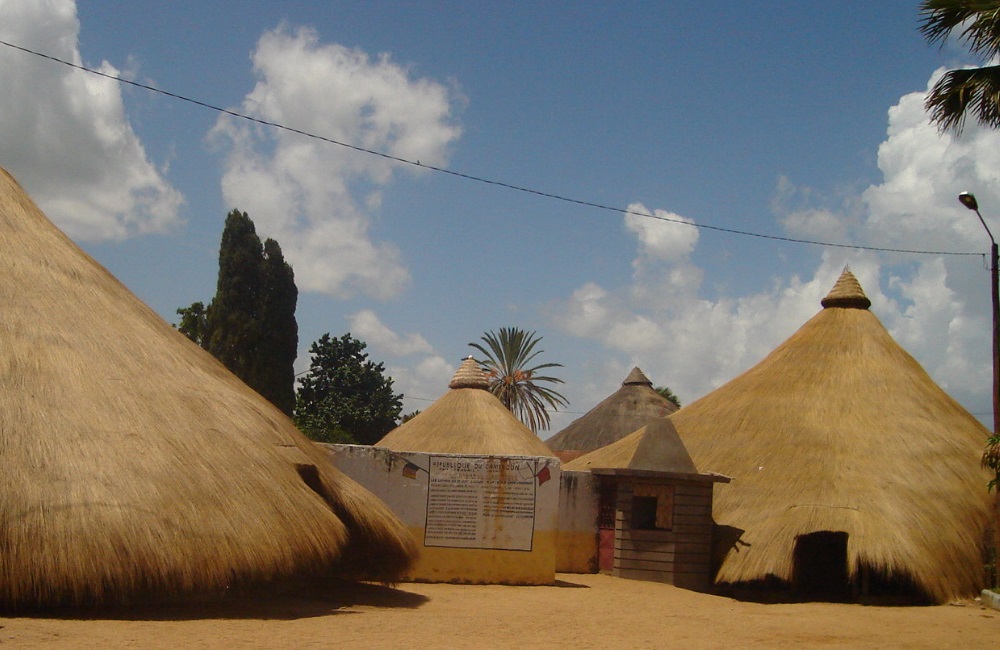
x=134, y=463
x=655, y=447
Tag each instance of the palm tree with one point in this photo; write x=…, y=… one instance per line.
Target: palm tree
x=668, y=395
x=975, y=90
x=513, y=382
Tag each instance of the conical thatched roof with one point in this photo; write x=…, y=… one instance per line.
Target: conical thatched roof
x=133, y=462
x=626, y=410
x=655, y=447
x=840, y=430
x=468, y=419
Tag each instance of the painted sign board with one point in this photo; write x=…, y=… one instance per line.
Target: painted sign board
x=484, y=502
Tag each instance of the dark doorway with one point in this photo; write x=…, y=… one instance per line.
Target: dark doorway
x=820, y=569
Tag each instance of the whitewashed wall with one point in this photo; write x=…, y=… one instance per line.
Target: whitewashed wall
x=477, y=519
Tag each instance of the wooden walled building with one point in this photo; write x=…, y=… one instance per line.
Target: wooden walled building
x=655, y=509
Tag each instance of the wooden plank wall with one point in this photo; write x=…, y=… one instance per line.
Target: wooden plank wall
x=680, y=556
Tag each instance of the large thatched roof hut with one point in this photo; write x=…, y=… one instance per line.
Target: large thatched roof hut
x=134, y=463
x=623, y=412
x=468, y=419
x=848, y=461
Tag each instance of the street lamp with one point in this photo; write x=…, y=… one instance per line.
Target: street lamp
x=969, y=200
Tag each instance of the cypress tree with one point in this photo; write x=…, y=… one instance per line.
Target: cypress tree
x=279, y=341
x=233, y=318
x=250, y=324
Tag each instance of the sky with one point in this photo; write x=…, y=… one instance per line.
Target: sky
x=672, y=152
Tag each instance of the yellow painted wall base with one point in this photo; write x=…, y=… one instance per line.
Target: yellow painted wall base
x=487, y=566
x=576, y=552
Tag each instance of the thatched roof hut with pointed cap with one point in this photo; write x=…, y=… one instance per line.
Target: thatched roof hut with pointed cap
x=621, y=413
x=475, y=486
x=468, y=419
x=849, y=464
x=134, y=463
x=655, y=508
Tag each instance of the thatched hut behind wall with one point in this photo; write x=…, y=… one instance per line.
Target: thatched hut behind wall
x=618, y=415
x=849, y=464
x=133, y=463
x=476, y=486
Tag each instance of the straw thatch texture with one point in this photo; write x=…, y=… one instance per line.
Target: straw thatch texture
x=132, y=462
x=839, y=429
x=626, y=410
x=655, y=447
x=468, y=419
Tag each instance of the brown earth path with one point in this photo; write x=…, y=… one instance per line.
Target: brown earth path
x=582, y=611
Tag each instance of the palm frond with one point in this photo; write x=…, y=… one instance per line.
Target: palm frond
x=980, y=18
x=507, y=356
x=958, y=92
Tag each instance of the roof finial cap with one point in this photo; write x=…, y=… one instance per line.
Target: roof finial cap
x=847, y=292
x=469, y=375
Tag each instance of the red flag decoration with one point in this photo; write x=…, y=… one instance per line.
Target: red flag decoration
x=410, y=470
x=544, y=475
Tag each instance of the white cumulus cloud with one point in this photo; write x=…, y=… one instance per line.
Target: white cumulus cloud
x=365, y=325
x=924, y=170
x=66, y=136
x=661, y=235
x=936, y=306
x=315, y=197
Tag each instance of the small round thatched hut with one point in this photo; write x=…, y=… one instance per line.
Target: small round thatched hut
x=468, y=419
x=850, y=465
x=133, y=463
x=475, y=485
x=626, y=410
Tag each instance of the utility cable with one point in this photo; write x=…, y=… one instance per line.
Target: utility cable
x=478, y=179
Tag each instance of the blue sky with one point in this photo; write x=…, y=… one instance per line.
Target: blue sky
x=800, y=120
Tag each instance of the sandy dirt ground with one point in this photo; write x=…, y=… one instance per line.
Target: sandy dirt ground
x=581, y=611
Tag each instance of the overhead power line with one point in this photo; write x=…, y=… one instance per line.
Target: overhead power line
x=471, y=177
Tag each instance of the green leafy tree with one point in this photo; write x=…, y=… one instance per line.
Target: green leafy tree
x=669, y=395
x=970, y=90
x=193, y=322
x=344, y=396
x=250, y=323
x=506, y=360
x=991, y=461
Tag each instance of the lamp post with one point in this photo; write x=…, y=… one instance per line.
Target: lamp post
x=969, y=200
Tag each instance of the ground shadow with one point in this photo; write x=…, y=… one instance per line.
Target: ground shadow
x=773, y=590
x=569, y=585
x=306, y=599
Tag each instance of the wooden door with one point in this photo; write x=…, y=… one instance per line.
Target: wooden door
x=606, y=517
